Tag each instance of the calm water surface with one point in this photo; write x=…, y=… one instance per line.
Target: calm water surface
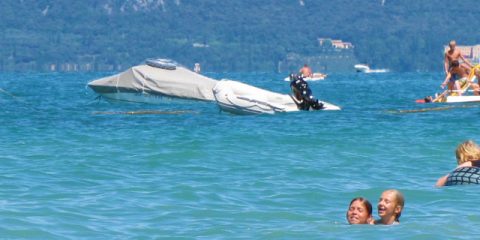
x=69, y=172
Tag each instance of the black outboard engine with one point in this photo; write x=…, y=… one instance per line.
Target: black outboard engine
x=303, y=94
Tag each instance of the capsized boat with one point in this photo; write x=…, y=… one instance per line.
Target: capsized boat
x=314, y=77
x=153, y=81
x=240, y=98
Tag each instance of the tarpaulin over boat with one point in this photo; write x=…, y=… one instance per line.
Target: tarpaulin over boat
x=178, y=82
x=240, y=98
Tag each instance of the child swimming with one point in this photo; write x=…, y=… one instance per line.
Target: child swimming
x=390, y=206
x=359, y=211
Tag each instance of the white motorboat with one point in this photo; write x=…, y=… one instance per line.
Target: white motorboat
x=453, y=96
x=239, y=98
x=366, y=69
x=361, y=68
x=152, y=82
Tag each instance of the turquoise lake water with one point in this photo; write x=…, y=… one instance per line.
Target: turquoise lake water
x=69, y=172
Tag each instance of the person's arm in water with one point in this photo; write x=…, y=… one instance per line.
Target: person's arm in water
x=441, y=181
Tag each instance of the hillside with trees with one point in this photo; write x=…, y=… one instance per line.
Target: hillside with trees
x=247, y=35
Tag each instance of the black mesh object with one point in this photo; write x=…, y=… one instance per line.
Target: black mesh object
x=464, y=175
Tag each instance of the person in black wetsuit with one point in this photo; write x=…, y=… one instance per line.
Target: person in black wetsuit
x=302, y=94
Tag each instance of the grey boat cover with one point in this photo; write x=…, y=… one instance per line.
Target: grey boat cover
x=179, y=83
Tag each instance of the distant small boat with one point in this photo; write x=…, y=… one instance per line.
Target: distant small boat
x=363, y=68
x=314, y=77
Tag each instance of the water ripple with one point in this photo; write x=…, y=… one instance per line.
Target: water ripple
x=70, y=173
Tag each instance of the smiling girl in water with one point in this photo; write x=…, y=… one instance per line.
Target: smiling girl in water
x=359, y=211
x=390, y=206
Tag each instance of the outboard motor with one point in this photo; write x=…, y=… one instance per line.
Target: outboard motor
x=303, y=94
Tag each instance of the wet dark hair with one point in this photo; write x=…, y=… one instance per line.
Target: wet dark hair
x=365, y=203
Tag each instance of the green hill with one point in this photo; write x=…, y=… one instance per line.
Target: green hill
x=247, y=35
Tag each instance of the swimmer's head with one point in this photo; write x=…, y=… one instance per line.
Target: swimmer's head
x=390, y=206
x=359, y=211
x=467, y=151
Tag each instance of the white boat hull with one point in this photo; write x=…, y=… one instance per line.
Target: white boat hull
x=315, y=77
x=366, y=69
x=239, y=98
x=462, y=99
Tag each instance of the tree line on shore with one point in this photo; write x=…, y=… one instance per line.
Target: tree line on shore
x=248, y=35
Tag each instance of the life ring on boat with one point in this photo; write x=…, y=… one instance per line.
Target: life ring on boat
x=161, y=63
x=464, y=175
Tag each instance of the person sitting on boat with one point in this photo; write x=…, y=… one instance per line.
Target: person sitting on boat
x=454, y=54
x=306, y=71
x=467, y=154
x=464, y=80
x=302, y=94
x=456, y=76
